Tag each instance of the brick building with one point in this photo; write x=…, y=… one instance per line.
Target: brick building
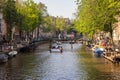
x=3, y=27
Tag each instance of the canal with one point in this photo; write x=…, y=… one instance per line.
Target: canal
x=73, y=64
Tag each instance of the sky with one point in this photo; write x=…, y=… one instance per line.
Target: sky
x=61, y=8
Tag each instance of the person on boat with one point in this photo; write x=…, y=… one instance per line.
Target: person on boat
x=61, y=49
x=71, y=46
x=50, y=46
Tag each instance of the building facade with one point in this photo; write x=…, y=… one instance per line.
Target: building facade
x=3, y=27
x=116, y=31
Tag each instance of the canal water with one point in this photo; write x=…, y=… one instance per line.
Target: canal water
x=75, y=63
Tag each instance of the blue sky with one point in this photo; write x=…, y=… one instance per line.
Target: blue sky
x=64, y=8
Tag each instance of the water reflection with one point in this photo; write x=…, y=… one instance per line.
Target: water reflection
x=73, y=64
x=98, y=68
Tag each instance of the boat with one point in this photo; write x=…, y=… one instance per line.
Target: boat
x=58, y=43
x=24, y=49
x=99, y=51
x=3, y=57
x=56, y=48
x=72, y=42
x=12, y=53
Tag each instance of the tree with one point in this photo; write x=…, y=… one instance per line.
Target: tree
x=48, y=23
x=95, y=15
x=29, y=12
x=2, y=3
x=10, y=16
x=32, y=15
x=59, y=24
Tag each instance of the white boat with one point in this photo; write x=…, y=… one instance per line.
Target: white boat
x=12, y=53
x=57, y=48
x=58, y=43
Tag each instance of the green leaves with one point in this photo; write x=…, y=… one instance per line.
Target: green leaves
x=48, y=23
x=96, y=15
x=2, y=4
x=27, y=15
x=32, y=15
x=10, y=15
x=60, y=23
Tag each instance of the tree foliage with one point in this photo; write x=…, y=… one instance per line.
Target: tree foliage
x=48, y=23
x=95, y=15
x=29, y=15
x=60, y=22
x=29, y=12
x=2, y=3
x=10, y=15
x=32, y=15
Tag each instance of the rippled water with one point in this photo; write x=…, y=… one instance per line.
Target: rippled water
x=73, y=64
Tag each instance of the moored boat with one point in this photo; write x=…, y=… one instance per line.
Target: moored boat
x=3, y=57
x=12, y=53
x=98, y=51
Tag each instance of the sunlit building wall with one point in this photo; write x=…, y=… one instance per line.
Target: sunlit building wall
x=116, y=32
x=2, y=25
